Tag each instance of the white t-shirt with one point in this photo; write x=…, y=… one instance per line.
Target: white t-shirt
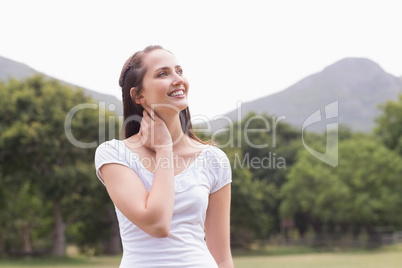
x=185, y=246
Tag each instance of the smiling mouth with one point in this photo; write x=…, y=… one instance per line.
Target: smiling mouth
x=176, y=93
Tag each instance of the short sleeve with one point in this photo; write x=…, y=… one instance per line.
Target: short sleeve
x=222, y=171
x=107, y=153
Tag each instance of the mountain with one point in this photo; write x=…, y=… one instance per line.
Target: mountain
x=12, y=69
x=9, y=68
x=357, y=84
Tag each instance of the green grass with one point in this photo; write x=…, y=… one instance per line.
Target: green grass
x=271, y=257
x=320, y=260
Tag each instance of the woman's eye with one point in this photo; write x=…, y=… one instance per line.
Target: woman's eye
x=180, y=71
x=162, y=74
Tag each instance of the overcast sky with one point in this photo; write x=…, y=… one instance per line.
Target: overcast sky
x=230, y=50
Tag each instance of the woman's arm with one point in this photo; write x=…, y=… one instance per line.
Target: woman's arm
x=217, y=227
x=152, y=212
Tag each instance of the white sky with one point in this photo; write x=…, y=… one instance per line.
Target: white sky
x=231, y=50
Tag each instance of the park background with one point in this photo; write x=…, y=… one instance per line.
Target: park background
x=289, y=62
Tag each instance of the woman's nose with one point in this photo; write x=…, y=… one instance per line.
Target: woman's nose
x=177, y=80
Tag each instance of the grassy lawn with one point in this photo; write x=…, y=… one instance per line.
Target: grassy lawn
x=390, y=257
x=320, y=260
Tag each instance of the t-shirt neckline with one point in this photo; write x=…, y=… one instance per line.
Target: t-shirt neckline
x=182, y=172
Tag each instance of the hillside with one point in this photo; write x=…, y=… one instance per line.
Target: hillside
x=358, y=84
x=17, y=70
x=9, y=68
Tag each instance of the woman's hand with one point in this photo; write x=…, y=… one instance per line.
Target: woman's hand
x=153, y=131
x=151, y=211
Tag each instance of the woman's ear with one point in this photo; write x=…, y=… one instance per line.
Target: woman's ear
x=137, y=98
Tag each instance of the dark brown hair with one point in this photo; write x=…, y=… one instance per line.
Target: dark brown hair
x=131, y=76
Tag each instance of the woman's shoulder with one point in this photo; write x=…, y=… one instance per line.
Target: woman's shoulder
x=214, y=151
x=129, y=144
x=110, y=148
x=111, y=145
x=215, y=158
x=112, y=151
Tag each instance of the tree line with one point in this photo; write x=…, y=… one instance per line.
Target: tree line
x=50, y=196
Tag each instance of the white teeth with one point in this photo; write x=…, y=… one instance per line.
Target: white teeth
x=179, y=92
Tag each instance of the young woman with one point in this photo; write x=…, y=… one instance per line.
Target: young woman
x=171, y=190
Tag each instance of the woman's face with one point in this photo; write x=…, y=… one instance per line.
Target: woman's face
x=164, y=88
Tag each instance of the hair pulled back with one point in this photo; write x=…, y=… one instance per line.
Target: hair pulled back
x=132, y=75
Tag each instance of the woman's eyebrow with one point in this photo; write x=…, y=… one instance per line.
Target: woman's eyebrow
x=166, y=68
x=161, y=68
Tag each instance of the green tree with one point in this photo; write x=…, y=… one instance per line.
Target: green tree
x=261, y=149
x=248, y=218
x=24, y=213
x=389, y=125
x=270, y=147
x=36, y=147
x=363, y=191
x=98, y=212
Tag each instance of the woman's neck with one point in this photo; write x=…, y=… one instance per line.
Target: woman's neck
x=173, y=125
